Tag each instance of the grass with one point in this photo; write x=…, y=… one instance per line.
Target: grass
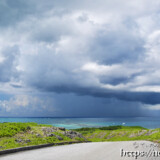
x=120, y=133
x=13, y=135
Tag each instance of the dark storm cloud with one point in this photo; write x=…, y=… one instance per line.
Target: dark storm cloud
x=88, y=106
x=13, y=11
x=143, y=97
x=117, y=47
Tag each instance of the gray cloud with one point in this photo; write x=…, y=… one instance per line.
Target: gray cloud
x=117, y=46
x=101, y=49
x=12, y=12
x=8, y=64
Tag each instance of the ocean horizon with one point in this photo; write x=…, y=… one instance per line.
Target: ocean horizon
x=80, y=122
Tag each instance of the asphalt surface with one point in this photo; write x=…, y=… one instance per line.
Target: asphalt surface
x=142, y=150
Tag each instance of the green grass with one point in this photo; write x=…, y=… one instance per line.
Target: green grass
x=13, y=135
x=120, y=133
x=28, y=133
x=10, y=129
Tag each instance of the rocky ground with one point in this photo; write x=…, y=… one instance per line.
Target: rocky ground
x=35, y=134
x=14, y=135
x=120, y=133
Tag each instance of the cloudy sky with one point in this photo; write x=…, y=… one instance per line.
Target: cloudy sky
x=72, y=58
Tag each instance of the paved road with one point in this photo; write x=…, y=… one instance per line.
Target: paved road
x=88, y=151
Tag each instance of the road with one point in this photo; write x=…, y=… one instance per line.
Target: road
x=89, y=151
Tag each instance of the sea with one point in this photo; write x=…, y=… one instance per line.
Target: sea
x=73, y=123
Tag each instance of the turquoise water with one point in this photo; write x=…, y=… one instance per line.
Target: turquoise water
x=72, y=123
